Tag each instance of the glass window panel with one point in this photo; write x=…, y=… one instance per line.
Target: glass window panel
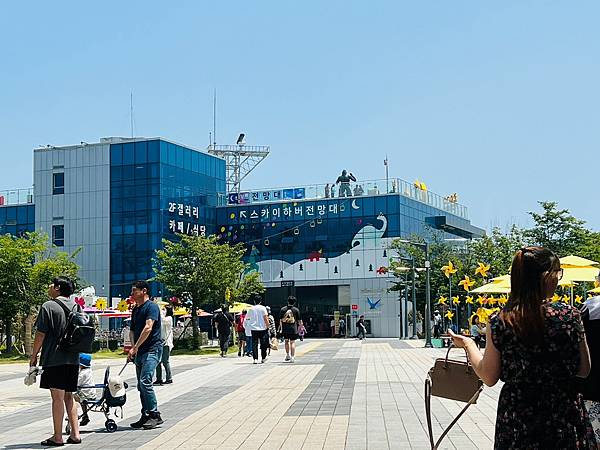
x=128, y=154
x=172, y=154
x=179, y=156
x=58, y=183
x=153, y=151
x=116, y=154
x=187, y=159
x=141, y=152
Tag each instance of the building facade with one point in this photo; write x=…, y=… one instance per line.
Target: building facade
x=116, y=200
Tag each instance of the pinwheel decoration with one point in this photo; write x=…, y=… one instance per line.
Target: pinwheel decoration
x=502, y=300
x=467, y=283
x=101, y=304
x=80, y=301
x=481, y=300
x=566, y=299
x=578, y=299
x=482, y=270
x=449, y=269
x=491, y=300
x=456, y=300
x=449, y=314
x=442, y=301
x=469, y=300
x=555, y=298
x=123, y=306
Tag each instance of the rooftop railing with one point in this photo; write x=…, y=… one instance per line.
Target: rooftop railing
x=16, y=197
x=356, y=189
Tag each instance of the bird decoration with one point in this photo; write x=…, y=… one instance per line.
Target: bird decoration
x=469, y=300
x=482, y=270
x=315, y=256
x=578, y=299
x=467, y=283
x=374, y=304
x=442, y=301
x=456, y=300
x=101, y=304
x=382, y=270
x=123, y=306
x=449, y=269
x=555, y=298
x=449, y=314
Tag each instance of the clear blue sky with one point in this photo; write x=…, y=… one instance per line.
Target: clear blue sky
x=498, y=102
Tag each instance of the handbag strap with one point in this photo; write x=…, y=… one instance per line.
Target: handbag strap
x=428, y=414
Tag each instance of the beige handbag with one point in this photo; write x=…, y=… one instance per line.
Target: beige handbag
x=454, y=380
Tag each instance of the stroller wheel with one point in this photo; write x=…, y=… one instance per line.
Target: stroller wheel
x=68, y=428
x=111, y=426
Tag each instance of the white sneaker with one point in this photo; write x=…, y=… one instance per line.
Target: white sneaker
x=287, y=358
x=292, y=359
x=255, y=361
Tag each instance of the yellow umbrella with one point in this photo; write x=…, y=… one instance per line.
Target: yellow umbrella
x=576, y=261
x=581, y=273
x=238, y=307
x=181, y=311
x=493, y=288
x=595, y=290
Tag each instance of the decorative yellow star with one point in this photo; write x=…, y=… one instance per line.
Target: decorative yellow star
x=466, y=283
x=123, y=306
x=481, y=299
x=556, y=298
x=566, y=299
x=442, y=301
x=578, y=299
x=101, y=304
x=482, y=270
x=455, y=300
x=449, y=314
x=469, y=300
x=449, y=269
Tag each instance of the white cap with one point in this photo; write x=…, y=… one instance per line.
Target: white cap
x=116, y=386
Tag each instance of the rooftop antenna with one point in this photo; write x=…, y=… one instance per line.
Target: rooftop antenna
x=214, y=133
x=131, y=111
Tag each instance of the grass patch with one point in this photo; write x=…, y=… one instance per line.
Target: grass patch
x=206, y=351
x=12, y=358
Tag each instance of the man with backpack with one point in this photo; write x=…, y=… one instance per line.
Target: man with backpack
x=60, y=367
x=146, y=352
x=290, y=319
x=224, y=320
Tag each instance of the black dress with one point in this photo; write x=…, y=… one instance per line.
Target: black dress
x=539, y=406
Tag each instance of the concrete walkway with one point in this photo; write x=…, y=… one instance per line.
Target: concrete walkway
x=340, y=394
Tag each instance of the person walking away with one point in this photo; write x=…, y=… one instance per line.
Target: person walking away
x=224, y=321
x=146, y=352
x=259, y=324
x=272, y=329
x=344, y=181
x=248, y=332
x=290, y=319
x=590, y=386
x=241, y=333
x=166, y=334
x=477, y=331
x=538, y=349
x=332, y=326
x=361, y=329
x=85, y=391
x=342, y=327
x=60, y=368
x=437, y=324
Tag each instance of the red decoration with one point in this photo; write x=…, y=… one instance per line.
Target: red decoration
x=80, y=301
x=315, y=255
x=382, y=270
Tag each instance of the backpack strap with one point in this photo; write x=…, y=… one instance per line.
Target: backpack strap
x=65, y=308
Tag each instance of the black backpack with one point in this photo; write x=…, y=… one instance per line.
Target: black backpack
x=79, y=333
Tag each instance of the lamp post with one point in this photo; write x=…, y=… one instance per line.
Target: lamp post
x=425, y=247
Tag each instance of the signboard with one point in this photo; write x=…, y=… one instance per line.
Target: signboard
x=183, y=219
x=288, y=283
x=294, y=211
x=354, y=307
x=244, y=198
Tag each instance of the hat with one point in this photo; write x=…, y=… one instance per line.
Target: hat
x=85, y=359
x=116, y=386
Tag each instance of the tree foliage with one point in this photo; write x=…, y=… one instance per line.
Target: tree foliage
x=200, y=270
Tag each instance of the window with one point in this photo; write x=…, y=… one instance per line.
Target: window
x=58, y=235
x=58, y=183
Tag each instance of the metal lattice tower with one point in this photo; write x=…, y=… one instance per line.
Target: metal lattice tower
x=240, y=160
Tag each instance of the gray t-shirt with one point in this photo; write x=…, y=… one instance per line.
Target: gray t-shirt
x=52, y=321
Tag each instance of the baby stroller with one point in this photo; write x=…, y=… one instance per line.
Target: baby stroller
x=106, y=404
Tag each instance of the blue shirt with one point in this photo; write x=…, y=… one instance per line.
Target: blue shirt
x=139, y=315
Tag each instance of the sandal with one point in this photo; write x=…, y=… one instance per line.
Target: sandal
x=50, y=443
x=73, y=441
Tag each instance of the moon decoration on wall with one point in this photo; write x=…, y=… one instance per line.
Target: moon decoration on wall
x=354, y=205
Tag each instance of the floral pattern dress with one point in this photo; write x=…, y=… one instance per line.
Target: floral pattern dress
x=539, y=407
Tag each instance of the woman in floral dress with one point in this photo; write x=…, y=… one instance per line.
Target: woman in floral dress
x=536, y=348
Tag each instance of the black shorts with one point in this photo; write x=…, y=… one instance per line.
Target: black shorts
x=60, y=377
x=290, y=336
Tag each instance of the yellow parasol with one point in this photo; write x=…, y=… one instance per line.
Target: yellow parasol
x=576, y=261
x=238, y=307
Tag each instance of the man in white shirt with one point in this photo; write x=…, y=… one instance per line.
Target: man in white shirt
x=258, y=322
x=166, y=334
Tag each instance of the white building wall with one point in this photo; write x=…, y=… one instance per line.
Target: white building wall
x=84, y=208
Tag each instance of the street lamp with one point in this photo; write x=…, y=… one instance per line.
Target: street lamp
x=425, y=247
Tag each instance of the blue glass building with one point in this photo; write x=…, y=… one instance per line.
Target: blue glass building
x=116, y=200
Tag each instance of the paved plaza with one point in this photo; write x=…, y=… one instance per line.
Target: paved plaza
x=340, y=394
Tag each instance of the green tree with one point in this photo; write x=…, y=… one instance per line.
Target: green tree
x=200, y=270
x=556, y=229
